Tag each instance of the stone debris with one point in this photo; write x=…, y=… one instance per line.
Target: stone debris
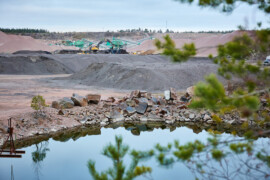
x=138, y=106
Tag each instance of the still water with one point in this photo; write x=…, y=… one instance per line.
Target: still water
x=68, y=160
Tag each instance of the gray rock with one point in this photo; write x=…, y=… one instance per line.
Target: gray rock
x=141, y=108
x=206, y=117
x=102, y=123
x=116, y=116
x=91, y=122
x=173, y=94
x=187, y=120
x=130, y=110
x=105, y=120
x=170, y=121
x=232, y=122
x=79, y=100
x=153, y=117
x=122, y=106
x=131, y=103
x=191, y=116
x=65, y=103
x=155, y=100
x=167, y=95
x=135, y=94
x=143, y=100
x=143, y=118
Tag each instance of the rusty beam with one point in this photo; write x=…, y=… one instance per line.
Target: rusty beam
x=10, y=156
x=16, y=151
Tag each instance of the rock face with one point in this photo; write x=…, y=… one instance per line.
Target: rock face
x=79, y=100
x=93, y=98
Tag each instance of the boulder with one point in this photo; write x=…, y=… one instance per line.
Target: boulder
x=141, y=107
x=79, y=100
x=93, y=98
x=55, y=105
x=64, y=103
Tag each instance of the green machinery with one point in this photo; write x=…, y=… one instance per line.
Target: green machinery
x=115, y=44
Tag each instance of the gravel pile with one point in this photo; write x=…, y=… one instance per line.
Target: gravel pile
x=31, y=65
x=151, y=73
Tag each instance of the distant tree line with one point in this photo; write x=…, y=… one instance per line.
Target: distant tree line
x=167, y=31
x=22, y=30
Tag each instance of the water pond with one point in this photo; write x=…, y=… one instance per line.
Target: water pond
x=66, y=156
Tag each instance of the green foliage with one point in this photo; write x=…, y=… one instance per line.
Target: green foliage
x=263, y=156
x=228, y=6
x=239, y=48
x=241, y=147
x=40, y=153
x=38, y=102
x=22, y=30
x=175, y=54
x=119, y=171
x=217, y=154
x=211, y=95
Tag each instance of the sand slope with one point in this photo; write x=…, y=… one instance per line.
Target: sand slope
x=12, y=43
x=205, y=43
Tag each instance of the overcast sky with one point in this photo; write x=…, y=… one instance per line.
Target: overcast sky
x=103, y=15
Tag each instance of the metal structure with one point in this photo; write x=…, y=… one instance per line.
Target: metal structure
x=11, y=152
x=115, y=43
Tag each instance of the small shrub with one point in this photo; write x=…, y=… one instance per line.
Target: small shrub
x=38, y=103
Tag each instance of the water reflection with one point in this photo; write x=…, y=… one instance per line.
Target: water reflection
x=218, y=158
x=121, y=171
x=38, y=156
x=70, y=150
x=134, y=128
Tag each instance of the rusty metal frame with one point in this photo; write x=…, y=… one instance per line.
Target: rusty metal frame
x=11, y=152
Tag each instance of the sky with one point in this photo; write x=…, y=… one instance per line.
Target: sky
x=104, y=15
